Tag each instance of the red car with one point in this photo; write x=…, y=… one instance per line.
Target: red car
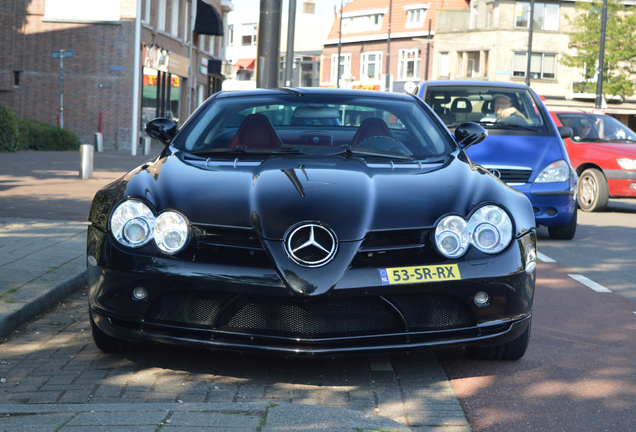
x=602, y=150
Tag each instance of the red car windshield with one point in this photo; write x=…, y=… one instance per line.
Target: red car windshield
x=594, y=128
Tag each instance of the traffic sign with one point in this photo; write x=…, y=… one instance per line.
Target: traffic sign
x=62, y=54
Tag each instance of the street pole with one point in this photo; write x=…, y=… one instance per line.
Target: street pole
x=388, y=50
x=268, y=44
x=531, y=19
x=428, y=50
x=339, y=47
x=193, y=17
x=601, y=59
x=289, y=55
x=61, y=89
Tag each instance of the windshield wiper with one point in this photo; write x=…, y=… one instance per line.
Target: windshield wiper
x=348, y=152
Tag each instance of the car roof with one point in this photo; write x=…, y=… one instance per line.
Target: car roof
x=472, y=83
x=317, y=91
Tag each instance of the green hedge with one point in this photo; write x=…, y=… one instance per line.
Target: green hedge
x=9, y=133
x=36, y=135
x=18, y=134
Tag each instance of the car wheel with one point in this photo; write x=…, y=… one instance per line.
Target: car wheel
x=593, y=193
x=512, y=350
x=109, y=344
x=565, y=232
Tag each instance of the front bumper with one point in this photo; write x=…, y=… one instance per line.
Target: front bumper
x=553, y=203
x=245, y=308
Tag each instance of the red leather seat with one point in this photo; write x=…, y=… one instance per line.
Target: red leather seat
x=370, y=127
x=256, y=131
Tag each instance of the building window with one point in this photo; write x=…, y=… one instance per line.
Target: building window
x=174, y=25
x=146, y=13
x=16, y=79
x=473, y=14
x=362, y=23
x=161, y=19
x=546, y=16
x=415, y=18
x=371, y=66
x=409, y=64
x=345, y=66
x=200, y=94
x=230, y=35
x=249, y=35
x=443, y=64
x=472, y=64
x=490, y=7
x=212, y=50
x=542, y=65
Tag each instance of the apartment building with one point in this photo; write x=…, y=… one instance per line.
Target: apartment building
x=489, y=41
x=370, y=32
x=105, y=81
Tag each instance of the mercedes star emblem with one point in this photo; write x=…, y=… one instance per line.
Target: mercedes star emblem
x=311, y=245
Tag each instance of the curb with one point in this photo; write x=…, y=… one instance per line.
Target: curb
x=28, y=311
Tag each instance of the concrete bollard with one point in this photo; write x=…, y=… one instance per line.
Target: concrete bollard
x=86, y=161
x=146, y=146
x=99, y=142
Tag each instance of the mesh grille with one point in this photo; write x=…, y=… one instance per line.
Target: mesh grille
x=434, y=311
x=513, y=175
x=182, y=307
x=333, y=317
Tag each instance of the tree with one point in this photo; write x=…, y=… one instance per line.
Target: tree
x=619, y=76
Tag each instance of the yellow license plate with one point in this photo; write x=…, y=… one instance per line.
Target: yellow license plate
x=419, y=274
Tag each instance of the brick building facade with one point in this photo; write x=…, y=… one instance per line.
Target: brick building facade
x=98, y=80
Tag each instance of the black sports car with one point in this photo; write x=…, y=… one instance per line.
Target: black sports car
x=308, y=222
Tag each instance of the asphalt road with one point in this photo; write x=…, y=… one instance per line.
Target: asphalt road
x=579, y=373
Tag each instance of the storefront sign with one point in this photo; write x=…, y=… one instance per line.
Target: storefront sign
x=365, y=87
x=178, y=65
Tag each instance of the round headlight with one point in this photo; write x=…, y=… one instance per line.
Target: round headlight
x=490, y=229
x=451, y=236
x=171, y=232
x=131, y=223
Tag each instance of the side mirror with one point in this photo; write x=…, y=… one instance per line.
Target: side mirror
x=161, y=129
x=467, y=134
x=565, y=132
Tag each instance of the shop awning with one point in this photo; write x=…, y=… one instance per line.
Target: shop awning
x=208, y=21
x=245, y=64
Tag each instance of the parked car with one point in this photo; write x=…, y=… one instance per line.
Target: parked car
x=523, y=148
x=603, y=153
x=308, y=222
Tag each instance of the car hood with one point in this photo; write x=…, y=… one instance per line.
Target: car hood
x=348, y=195
x=534, y=151
x=615, y=148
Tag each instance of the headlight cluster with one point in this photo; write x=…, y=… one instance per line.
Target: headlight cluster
x=489, y=229
x=627, y=164
x=133, y=224
x=555, y=172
